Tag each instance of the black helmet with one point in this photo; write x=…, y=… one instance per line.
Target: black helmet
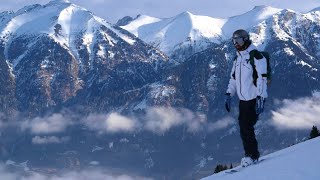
x=241, y=39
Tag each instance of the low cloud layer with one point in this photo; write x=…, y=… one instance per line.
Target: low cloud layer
x=157, y=120
x=49, y=140
x=161, y=119
x=302, y=113
x=221, y=124
x=96, y=174
x=46, y=125
x=110, y=123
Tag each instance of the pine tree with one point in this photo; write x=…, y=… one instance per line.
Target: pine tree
x=314, y=132
x=231, y=166
x=220, y=168
x=217, y=169
x=225, y=167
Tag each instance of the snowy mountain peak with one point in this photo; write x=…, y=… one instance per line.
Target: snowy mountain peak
x=249, y=19
x=288, y=10
x=37, y=19
x=124, y=21
x=185, y=14
x=259, y=13
x=65, y=23
x=315, y=9
x=262, y=7
x=178, y=31
x=59, y=1
x=185, y=17
x=138, y=22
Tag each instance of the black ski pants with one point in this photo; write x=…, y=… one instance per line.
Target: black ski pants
x=247, y=120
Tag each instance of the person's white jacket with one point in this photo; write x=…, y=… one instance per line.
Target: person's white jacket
x=241, y=80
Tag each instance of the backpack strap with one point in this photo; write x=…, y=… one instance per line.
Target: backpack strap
x=254, y=54
x=234, y=73
x=269, y=74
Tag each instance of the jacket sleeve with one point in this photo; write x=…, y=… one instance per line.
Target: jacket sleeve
x=232, y=82
x=261, y=68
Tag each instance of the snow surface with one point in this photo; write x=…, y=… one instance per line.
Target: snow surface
x=134, y=26
x=298, y=162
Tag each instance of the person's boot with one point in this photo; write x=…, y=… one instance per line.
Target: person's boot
x=256, y=158
x=247, y=161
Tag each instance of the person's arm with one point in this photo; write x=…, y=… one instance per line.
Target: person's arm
x=232, y=82
x=261, y=68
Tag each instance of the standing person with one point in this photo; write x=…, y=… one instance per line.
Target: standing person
x=249, y=80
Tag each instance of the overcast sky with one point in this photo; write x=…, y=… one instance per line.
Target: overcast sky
x=112, y=10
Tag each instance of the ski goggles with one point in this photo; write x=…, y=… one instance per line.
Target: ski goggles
x=237, y=40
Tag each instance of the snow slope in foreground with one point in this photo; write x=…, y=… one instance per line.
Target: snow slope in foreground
x=298, y=162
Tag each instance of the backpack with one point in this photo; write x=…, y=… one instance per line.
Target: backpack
x=258, y=55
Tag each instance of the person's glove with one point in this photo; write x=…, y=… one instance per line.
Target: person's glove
x=228, y=102
x=259, y=104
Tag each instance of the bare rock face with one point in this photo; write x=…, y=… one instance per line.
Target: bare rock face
x=8, y=102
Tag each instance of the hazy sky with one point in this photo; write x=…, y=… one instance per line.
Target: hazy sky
x=112, y=10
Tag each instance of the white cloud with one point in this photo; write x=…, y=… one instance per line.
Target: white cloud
x=94, y=163
x=316, y=94
x=161, y=119
x=116, y=122
x=6, y=175
x=221, y=124
x=49, y=140
x=96, y=174
x=110, y=123
x=92, y=174
x=45, y=125
x=157, y=120
x=302, y=113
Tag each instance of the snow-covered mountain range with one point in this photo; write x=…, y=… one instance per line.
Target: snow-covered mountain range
x=89, y=92
x=187, y=30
